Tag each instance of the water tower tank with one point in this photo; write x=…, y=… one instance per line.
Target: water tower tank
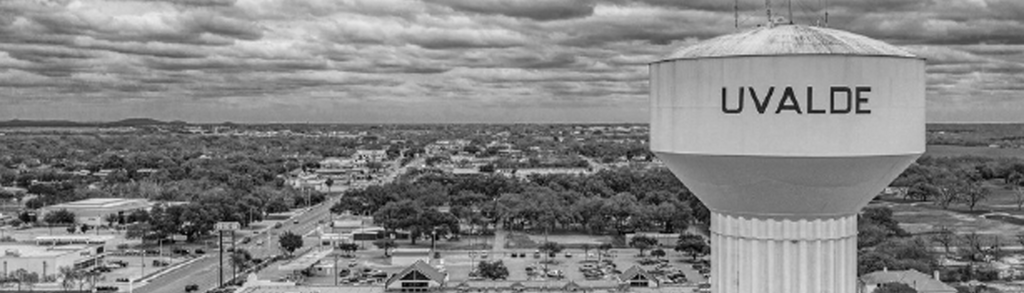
x=785, y=133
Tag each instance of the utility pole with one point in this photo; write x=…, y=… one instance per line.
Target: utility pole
x=336, y=269
x=234, y=269
x=220, y=238
x=768, y=5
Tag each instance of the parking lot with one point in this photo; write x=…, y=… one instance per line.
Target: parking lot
x=459, y=264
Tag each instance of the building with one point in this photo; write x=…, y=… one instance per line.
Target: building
x=638, y=277
x=418, y=277
x=92, y=211
x=407, y=256
x=47, y=260
x=919, y=281
x=371, y=155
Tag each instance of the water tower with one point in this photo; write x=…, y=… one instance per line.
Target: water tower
x=785, y=132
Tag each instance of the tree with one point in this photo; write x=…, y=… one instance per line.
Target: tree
x=642, y=243
x=138, y=231
x=944, y=236
x=973, y=193
x=348, y=248
x=1018, y=196
x=1020, y=238
x=62, y=216
x=894, y=288
x=111, y=219
x=69, y=276
x=241, y=259
x=603, y=248
x=386, y=245
x=898, y=254
x=493, y=270
x=550, y=247
x=85, y=228
x=329, y=182
x=693, y=245
x=290, y=241
x=658, y=253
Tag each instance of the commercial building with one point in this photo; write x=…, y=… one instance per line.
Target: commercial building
x=92, y=211
x=408, y=256
x=418, y=277
x=47, y=260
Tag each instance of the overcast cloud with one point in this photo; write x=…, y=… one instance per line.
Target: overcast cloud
x=443, y=60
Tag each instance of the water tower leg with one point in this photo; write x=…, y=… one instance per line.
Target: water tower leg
x=783, y=254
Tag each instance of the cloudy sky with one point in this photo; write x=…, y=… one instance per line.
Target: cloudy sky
x=443, y=60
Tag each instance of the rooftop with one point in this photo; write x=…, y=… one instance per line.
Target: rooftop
x=788, y=40
x=38, y=251
x=101, y=203
x=917, y=280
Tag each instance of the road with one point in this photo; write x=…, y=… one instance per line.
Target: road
x=204, y=271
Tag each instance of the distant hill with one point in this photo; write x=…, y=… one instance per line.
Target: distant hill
x=65, y=123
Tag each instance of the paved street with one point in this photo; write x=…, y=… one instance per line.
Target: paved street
x=204, y=272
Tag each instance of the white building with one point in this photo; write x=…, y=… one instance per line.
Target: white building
x=409, y=256
x=371, y=155
x=92, y=211
x=47, y=260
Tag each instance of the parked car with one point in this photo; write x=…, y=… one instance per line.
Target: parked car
x=191, y=288
x=200, y=251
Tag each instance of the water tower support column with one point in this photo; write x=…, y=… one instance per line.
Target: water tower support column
x=783, y=254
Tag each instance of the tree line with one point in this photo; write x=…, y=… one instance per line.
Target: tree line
x=611, y=201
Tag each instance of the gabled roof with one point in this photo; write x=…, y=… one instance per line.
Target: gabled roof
x=917, y=280
x=635, y=271
x=423, y=268
x=571, y=286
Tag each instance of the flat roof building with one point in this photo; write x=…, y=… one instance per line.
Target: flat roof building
x=47, y=260
x=92, y=211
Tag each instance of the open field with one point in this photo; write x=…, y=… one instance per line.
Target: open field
x=997, y=215
x=953, y=151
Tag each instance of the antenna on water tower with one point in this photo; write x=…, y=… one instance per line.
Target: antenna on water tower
x=736, y=13
x=790, y=2
x=826, y=13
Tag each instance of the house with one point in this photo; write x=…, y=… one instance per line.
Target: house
x=638, y=277
x=418, y=277
x=917, y=280
x=336, y=163
x=371, y=155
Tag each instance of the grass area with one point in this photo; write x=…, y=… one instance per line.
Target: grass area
x=954, y=151
x=519, y=240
